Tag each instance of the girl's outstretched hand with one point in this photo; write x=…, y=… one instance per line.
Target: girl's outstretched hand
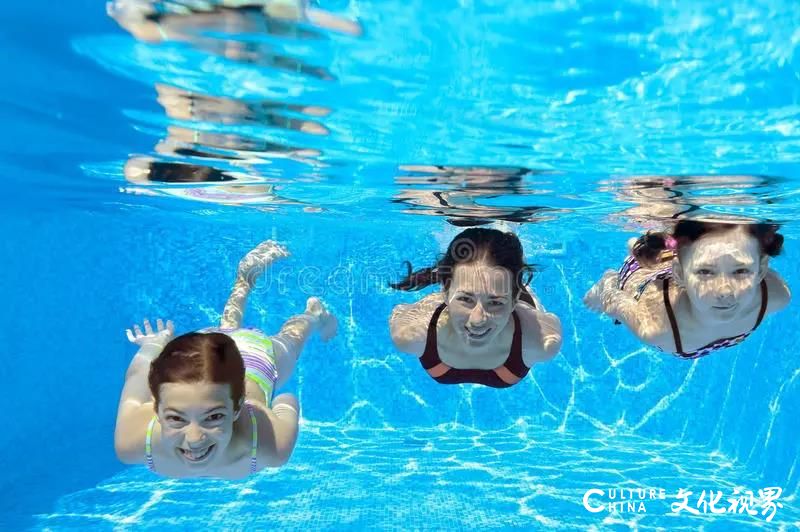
x=162, y=334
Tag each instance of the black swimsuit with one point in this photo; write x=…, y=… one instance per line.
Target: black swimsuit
x=509, y=373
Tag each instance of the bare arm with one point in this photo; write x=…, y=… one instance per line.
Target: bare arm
x=278, y=436
x=645, y=322
x=408, y=324
x=778, y=290
x=541, y=339
x=136, y=402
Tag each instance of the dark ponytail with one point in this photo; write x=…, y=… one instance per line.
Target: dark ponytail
x=417, y=280
x=649, y=246
x=769, y=239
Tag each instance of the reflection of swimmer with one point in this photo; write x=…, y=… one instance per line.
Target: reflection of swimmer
x=213, y=185
x=703, y=287
x=484, y=326
x=503, y=177
x=219, y=28
x=148, y=21
x=185, y=105
x=664, y=198
x=202, y=404
x=465, y=187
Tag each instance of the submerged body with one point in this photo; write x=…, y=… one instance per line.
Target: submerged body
x=484, y=327
x=202, y=405
x=708, y=292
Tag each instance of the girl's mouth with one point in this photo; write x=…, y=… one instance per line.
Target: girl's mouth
x=196, y=457
x=477, y=335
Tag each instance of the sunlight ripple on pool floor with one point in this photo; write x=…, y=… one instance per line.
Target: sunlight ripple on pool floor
x=444, y=477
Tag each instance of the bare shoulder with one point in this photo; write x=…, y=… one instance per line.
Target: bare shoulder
x=130, y=432
x=276, y=436
x=541, y=334
x=778, y=292
x=648, y=319
x=408, y=323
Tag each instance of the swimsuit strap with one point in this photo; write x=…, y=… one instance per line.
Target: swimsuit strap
x=718, y=343
x=514, y=362
x=628, y=268
x=254, y=448
x=148, y=444
x=430, y=357
x=676, y=334
x=764, y=301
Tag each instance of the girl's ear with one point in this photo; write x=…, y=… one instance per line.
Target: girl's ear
x=763, y=267
x=238, y=409
x=678, y=275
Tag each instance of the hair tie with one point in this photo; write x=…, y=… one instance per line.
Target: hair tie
x=671, y=243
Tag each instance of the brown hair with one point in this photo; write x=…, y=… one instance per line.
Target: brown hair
x=199, y=357
x=649, y=246
x=469, y=246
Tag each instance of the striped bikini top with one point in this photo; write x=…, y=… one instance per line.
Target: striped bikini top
x=722, y=343
x=509, y=373
x=148, y=442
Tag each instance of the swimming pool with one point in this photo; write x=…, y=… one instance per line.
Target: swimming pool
x=591, y=99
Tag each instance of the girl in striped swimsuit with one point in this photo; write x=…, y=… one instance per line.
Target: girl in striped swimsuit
x=704, y=287
x=201, y=404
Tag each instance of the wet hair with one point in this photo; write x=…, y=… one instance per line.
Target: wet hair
x=199, y=357
x=496, y=247
x=649, y=246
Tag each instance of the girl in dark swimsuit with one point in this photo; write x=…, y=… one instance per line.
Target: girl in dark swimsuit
x=484, y=327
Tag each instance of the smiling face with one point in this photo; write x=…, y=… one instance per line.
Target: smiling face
x=479, y=301
x=196, y=421
x=721, y=272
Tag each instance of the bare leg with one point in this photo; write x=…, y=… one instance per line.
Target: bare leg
x=295, y=333
x=250, y=268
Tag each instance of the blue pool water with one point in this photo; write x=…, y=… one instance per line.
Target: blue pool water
x=608, y=104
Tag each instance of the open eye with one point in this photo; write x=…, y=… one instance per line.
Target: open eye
x=496, y=303
x=704, y=271
x=742, y=271
x=215, y=417
x=174, y=419
x=464, y=299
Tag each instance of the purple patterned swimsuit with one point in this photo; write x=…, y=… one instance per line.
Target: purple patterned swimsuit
x=631, y=265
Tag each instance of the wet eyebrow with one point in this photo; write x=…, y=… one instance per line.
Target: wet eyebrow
x=493, y=296
x=713, y=266
x=204, y=413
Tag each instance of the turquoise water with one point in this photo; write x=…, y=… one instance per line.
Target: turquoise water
x=575, y=124
x=438, y=477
